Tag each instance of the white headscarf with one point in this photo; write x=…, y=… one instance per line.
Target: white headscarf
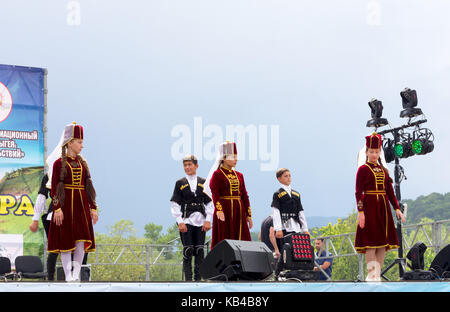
x=221, y=153
x=361, y=158
x=66, y=136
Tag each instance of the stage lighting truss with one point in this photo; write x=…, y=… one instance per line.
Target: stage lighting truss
x=422, y=141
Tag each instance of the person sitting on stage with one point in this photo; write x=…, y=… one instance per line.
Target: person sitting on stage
x=267, y=236
x=375, y=233
x=288, y=216
x=326, y=262
x=232, y=217
x=192, y=210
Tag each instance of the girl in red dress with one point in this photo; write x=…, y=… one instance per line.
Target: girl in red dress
x=232, y=217
x=74, y=207
x=375, y=232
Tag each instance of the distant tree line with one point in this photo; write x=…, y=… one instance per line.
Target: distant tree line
x=434, y=206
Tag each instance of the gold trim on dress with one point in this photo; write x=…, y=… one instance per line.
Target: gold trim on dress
x=84, y=210
x=363, y=249
x=232, y=179
x=379, y=176
x=230, y=197
x=219, y=206
x=73, y=187
x=77, y=173
x=86, y=249
x=375, y=192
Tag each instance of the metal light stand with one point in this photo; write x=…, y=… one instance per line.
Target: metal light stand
x=398, y=172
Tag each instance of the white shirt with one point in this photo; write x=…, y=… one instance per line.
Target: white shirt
x=290, y=225
x=39, y=208
x=196, y=218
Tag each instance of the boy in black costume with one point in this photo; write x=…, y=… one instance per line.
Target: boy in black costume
x=192, y=210
x=288, y=216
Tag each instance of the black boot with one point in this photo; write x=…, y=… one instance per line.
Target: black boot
x=188, y=251
x=51, y=265
x=199, y=255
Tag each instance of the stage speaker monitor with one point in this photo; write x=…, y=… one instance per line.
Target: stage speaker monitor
x=237, y=260
x=441, y=263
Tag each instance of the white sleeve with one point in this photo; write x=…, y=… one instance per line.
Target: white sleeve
x=209, y=209
x=39, y=206
x=302, y=218
x=175, y=209
x=277, y=226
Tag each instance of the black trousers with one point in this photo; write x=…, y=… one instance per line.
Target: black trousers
x=52, y=257
x=193, y=244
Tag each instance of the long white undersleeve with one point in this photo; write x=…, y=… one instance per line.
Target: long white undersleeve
x=277, y=225
x=175, y=209
x=209, y=209
x=302, y=218
x=196, y=218
x=39, y=207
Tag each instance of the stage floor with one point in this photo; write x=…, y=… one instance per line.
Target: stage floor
x=235, y=287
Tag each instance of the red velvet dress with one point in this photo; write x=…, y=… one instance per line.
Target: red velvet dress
x=230, y=196
x=374, y=191
x=77, y=223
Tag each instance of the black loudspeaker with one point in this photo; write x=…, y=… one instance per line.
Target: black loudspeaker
x=441, y=263
x=237, y=260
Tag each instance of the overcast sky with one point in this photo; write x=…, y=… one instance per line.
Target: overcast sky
x=152, y=80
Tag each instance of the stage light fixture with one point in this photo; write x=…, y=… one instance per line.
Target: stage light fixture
x=376, y=108
x=417, y=147
x=298, y=253
x=422, y=141
x=409, y=103
x=403, y=149
x=416, y=256
x=398, y=150
x=389, y=152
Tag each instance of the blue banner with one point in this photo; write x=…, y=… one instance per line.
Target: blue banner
x=22, y=152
